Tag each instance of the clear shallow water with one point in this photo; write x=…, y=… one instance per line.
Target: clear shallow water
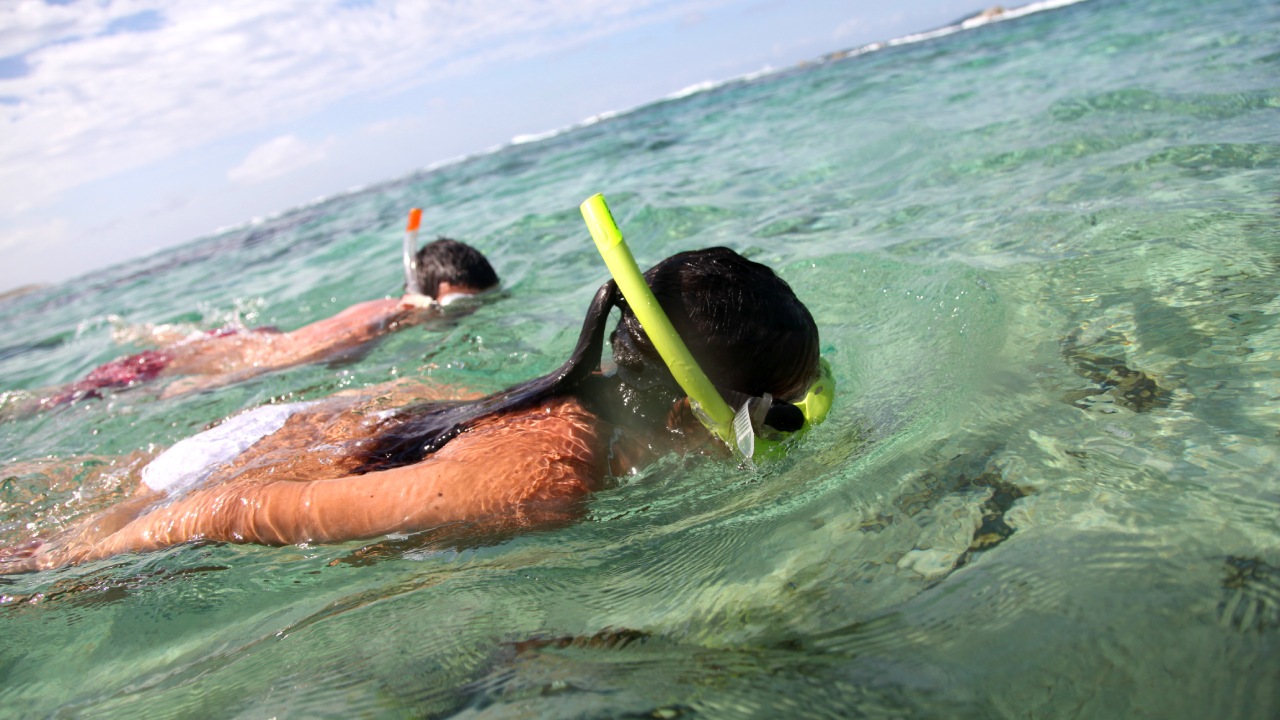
x=1043, y=255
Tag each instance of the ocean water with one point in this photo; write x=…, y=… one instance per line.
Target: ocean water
x=1044, y=256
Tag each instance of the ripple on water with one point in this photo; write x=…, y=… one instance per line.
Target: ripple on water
x=634, y=674
x=1042, y=256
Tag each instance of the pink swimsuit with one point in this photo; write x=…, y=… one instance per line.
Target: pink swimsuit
x=121, y=372
x=134, y=369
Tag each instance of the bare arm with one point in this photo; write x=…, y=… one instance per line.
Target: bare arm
x=240, y=357
x=213, y=361
x=527, y=468
x=357, y=324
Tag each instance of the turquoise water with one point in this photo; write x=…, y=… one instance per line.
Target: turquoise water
x=1043, y=255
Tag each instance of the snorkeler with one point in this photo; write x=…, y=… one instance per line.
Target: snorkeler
x=442, y=271
x=519, y=459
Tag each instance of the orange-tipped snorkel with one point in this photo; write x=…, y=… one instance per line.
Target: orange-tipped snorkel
x=411, y=283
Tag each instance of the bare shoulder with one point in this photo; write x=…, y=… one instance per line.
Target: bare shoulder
x=557, y=447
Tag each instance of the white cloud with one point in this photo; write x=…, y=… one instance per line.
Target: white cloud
x=276, y=158
x=30, y=24
x=95, y=104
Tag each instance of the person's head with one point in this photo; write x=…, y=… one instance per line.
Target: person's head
x=448, y=267
x=742, y=323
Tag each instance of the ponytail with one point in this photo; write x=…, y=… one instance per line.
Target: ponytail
x=430, y=426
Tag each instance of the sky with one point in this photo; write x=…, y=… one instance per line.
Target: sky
x=135, y=125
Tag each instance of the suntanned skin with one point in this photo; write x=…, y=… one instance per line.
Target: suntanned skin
x=529, y=468
x=204, y=362
x=216, y=361
x=264, y=351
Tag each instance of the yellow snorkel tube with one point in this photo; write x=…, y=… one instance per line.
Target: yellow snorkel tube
x=733, y=428
x=626, y=273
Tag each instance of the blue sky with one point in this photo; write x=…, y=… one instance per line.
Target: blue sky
x=132, y=125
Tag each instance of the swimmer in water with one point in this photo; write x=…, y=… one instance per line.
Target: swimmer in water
x=447, y=270
x=523, y=458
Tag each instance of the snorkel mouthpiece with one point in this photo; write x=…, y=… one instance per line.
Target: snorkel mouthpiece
x=735, y=429
x=411, y=283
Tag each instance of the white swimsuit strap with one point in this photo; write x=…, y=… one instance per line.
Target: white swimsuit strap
x=192, y=460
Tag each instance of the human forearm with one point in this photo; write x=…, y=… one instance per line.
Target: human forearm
x=287, y=512
x=357, y=324
x=228, y=360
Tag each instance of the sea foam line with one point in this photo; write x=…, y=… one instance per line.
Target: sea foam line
x=969, y=23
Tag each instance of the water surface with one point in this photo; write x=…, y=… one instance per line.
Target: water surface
x=1043, y=255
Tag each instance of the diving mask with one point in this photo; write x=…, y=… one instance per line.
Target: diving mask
x=737, y=429
x=814, y=406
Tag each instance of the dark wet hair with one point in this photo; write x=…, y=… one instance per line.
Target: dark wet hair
x=743, y=324
x=446, y=260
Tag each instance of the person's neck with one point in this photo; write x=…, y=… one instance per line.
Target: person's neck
x=618, y=403
x=646, y=429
